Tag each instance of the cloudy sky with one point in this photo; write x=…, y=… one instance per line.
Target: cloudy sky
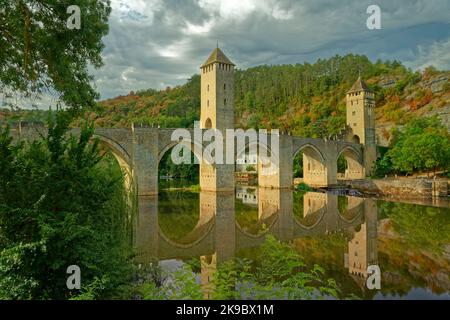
x=159, y=43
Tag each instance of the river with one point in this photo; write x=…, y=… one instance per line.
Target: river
x=410, y=243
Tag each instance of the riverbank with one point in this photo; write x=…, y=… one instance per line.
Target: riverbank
x=396, y=189
x=401, y=188
x=193, y=188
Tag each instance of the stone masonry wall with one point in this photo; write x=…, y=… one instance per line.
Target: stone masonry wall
x=405, y=188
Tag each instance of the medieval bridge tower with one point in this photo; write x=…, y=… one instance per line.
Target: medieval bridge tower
x=361, y=121
x=217, y=92
x=217, y=112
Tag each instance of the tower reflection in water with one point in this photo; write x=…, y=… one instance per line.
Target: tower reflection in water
x=218, y=234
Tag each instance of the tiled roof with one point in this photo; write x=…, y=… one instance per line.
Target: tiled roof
x=217, y=56
x=359, y=85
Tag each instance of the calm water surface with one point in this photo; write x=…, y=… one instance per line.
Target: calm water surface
x=409, y=242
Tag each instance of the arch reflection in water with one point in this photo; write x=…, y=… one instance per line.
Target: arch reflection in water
x=219, y=234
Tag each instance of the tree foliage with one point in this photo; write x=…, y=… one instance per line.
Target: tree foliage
x=60, y=205
x=39, y=53
x=422, y=145
x=186, y=172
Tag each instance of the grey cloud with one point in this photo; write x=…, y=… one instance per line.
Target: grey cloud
x=159, y=43
x=163, y=51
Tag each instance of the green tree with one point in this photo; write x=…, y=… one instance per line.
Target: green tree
x=38, y=52
x=423, y=145
x=60, y=205
x=298, y=165
x=382, y=167
x=185, y=172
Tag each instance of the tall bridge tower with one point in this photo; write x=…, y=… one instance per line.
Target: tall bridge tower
x=217, y=92
x=217, y=112
x=361, y=120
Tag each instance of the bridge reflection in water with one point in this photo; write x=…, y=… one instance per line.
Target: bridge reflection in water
x=218, y=235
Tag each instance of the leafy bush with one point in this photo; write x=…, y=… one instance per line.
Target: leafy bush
x=423, y=145
x=383, y=164
x=180, y=285
x=61, y=205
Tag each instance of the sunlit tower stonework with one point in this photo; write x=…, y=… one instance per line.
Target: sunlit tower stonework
x=217, y=92
x=217, y=112
x=361, y=120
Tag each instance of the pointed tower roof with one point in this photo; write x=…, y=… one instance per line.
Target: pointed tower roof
x=359, y=85
x=217, y=56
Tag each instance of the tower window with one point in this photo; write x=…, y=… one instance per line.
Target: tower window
x=224, y=86
x=352, y=103
x=353, y=113
x=224, y=102
x=207, y=103
x=208, y=88
x=354, y=124
x=208, y=123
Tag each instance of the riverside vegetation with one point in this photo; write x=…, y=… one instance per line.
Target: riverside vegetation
x=61, y=203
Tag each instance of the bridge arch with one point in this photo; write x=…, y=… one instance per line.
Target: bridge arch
x=191, y=170
x=122, y=157
x=265, y=224
x=355, y=139
x=310, y=163
x=187, y=226
x=267, y=162
x=194, y=147
x=200, y=233
x=349, y=209
x=313, y=210
x=350, y=163
x=253, y=145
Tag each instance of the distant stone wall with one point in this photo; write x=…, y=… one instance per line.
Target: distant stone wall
x=405, y=188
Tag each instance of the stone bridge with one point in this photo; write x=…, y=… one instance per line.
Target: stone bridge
x=139, y=151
